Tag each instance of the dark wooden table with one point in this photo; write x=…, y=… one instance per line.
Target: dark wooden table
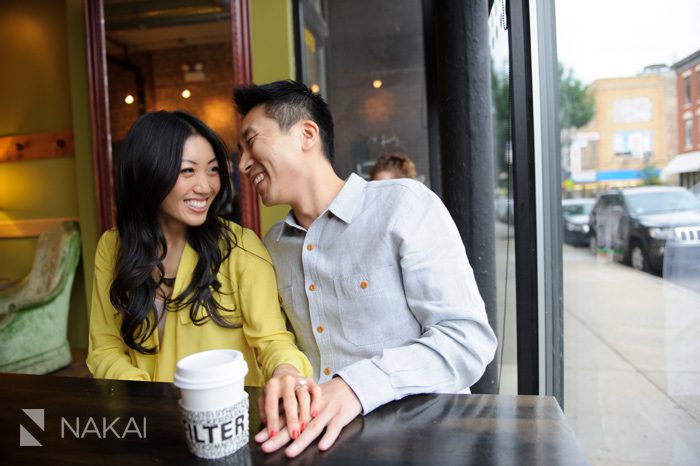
x=419, y=430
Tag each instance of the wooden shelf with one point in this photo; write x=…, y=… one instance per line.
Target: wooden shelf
x=36, y=146
x=30, y=228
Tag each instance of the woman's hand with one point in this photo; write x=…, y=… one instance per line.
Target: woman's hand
x=300, y=398
x=338, y=408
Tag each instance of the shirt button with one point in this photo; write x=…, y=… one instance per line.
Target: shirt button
x=312, y=287
x=279, y=298
x=363, y=284
x=327, y=371
x=319, y=329
x=309, y=247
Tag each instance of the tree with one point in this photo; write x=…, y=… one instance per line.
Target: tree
x=576, y=106
x=576, y=109
x=649, y=173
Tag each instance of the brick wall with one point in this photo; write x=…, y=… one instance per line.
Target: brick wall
x=164, y=81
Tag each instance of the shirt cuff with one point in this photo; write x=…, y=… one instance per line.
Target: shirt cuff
x=370, y=384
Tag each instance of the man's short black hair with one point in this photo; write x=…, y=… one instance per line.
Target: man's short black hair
x=287, y=102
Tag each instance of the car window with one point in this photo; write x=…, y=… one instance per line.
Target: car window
x=615, y=201
x=583, y=208
x=660, y=202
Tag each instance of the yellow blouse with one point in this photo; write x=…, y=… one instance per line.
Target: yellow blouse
x=247, y=285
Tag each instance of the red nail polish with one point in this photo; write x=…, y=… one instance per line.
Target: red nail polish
x=273, y=433
x=314, y=413
x=295, y=434
x=303, y=426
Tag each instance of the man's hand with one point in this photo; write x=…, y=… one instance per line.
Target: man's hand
x=300, y=399
x=339, y=405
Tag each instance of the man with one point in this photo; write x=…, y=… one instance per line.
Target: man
x=373, y=276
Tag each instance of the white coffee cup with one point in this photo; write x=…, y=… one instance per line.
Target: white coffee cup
x=214, y=403
x=211, y=379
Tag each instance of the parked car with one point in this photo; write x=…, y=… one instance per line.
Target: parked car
x=635, y=224
x=576, y=215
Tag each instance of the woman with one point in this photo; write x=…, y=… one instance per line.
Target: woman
x=174, y=279
x=393, y=165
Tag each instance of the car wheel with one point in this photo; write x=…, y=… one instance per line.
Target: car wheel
x=592, y=245
x=638, y=258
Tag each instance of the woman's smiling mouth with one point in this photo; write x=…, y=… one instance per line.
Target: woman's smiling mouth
x=198, y=205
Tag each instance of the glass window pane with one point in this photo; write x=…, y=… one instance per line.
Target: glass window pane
x=632, y=265
x=503, y=198
x=376, y=83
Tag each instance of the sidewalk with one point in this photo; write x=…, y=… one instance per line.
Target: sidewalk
x=632, y=364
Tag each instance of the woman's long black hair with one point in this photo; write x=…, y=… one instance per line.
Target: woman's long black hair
x=146, y=170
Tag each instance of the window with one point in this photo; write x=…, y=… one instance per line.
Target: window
x=627, y=383
x=376, y=84
x=312, y=32
x=635, y=144
x=503, y=189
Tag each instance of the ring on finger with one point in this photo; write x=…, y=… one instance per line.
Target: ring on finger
x=301, y=383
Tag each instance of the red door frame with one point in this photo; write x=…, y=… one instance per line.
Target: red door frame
x=99, y=115
x=243, y=75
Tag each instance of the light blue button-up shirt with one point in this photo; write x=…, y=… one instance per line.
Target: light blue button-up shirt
x=379, y=291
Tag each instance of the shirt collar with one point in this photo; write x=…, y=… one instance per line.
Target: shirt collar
x=290, y=221
x=349, y=197
x=342, y=206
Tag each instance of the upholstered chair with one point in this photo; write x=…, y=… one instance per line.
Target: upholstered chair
x=34, y=313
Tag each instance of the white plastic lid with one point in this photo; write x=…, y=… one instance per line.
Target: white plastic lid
x=210, y=369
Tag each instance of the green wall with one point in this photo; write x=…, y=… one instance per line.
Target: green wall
x=272, y=42
x=44, y=55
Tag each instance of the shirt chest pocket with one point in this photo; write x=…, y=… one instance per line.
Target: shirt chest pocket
x=372, y=307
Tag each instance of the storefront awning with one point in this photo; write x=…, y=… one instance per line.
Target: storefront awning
x=618, y=175
x=682, y=163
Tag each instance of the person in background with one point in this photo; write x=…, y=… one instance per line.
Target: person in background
x=174, y=278
x=392, y=165
x=373, y=277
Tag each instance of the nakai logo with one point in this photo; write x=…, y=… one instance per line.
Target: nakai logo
x=25, y=438
x=80, y=427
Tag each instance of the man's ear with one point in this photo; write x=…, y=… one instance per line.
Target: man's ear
x=309, y=134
